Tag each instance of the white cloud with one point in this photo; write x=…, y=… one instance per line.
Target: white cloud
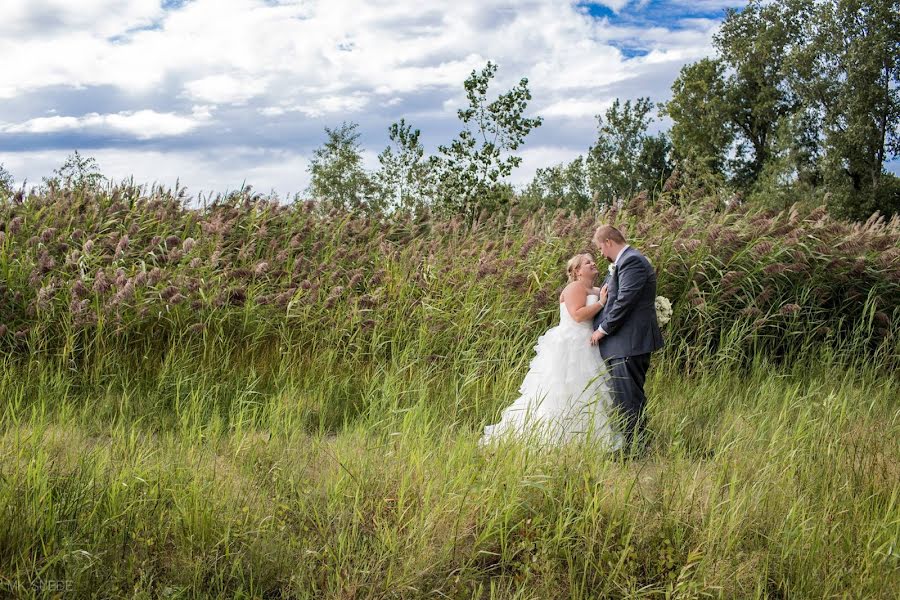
x=225, y=89
x=261, y=65
x=142, y=124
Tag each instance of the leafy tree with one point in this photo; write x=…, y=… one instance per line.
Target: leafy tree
x=404, y=180
x=702, y=131
x=470, y=171
x=625, y=159
x=337, y=175
x=77, y=173
x=564, y=185
x=849, y=75
x=754, y=45
x=6, y=182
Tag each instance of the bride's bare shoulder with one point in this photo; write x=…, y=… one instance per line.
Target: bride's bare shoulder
x=574, y=291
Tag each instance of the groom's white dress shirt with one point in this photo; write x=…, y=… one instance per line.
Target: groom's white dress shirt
x=616, y=265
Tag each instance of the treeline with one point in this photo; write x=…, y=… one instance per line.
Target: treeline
x=800, y=103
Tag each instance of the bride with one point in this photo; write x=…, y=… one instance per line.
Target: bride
x=566, y=392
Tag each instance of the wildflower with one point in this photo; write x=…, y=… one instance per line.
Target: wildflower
x=78, y=290
x=285, y=297
x=237, y=296
x=45, y=262
x=188, y=245
x=122, y=245
x=775, y=269
x=101, y=284
x=48, y=234
x=125, y=292
x=762, y=249
x=21, y=334
x=155, y=276
x=260, y=268
x=3, y=330
x=790, y=309
x=172, y=241
x=45, y=296
x=88, y=246
x=15, y=225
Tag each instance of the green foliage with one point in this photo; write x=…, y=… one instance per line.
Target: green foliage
x=802, y=99
x=625, y=159
x=80, y=173
x=6, y=182
x=147, y=268
x=754, y=45
x=701, y=131
x=849, y=73
x=470, y=171
x=405, y=178
x=563, y=185
x=260, y=400
x=337, y=177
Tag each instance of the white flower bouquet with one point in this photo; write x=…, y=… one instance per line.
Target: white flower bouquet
x=663, y=310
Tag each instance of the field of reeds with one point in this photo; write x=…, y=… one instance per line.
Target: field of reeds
x=262, y=400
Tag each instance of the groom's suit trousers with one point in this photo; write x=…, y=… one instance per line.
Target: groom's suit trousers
x=628, y=375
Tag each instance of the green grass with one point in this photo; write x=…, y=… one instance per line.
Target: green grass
x=255, y=400
x=285, y=473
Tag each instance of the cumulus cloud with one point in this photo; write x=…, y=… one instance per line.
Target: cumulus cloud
x=263, y=74
x=142, y=124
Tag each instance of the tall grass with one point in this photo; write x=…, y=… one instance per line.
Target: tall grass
x=255, y=400
x=295, y=476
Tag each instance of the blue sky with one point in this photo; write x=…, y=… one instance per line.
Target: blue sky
x=218, y=92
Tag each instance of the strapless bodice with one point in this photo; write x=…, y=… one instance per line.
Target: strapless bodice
x=566, y=319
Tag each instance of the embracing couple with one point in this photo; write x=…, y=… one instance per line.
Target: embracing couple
x=587, y=378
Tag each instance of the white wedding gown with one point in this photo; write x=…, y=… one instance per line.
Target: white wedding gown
x=565, y=394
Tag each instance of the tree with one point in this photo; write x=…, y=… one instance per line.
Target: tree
x=337, y=175
x=754, y=45
x=76, y=173
x=702, y=132
x=6, y=182
x=625, y=159
x=849, y=74
x=564, y=185
x=404, y=180
x=470, y=171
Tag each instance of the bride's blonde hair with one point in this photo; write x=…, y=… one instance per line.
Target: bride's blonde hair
x=574, y=264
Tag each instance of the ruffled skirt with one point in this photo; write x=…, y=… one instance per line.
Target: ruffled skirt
x=565, y=394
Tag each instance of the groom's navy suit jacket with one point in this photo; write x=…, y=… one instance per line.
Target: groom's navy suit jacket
x=629, y=317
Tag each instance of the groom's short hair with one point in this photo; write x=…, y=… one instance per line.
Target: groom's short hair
x=608, y=232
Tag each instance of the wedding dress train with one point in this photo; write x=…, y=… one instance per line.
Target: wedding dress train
x=566, y=393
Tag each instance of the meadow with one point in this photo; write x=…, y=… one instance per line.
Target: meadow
x=263, y=400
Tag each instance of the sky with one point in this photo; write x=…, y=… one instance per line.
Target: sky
x=218, y=93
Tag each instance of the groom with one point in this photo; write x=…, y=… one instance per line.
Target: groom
x=626, y=329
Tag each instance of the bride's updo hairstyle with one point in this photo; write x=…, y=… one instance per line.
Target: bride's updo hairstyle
x=574, y=264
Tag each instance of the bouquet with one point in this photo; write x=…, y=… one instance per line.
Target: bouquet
x=663, y=310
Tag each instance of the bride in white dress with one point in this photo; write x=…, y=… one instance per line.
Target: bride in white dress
x=566, y=393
